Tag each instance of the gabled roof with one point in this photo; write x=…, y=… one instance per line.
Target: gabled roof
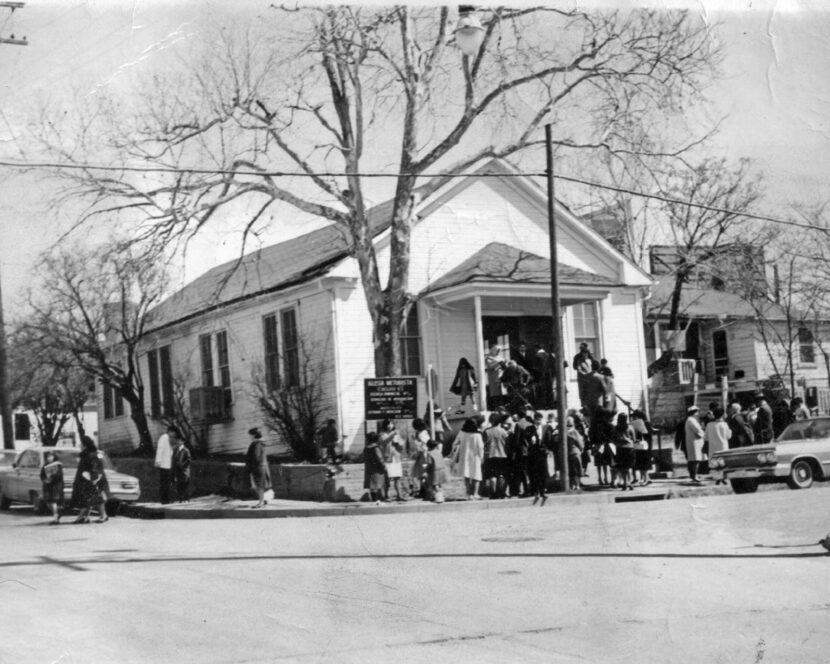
x=299, y=259
x=497, y=262
x=705, y=303
x=266, y=270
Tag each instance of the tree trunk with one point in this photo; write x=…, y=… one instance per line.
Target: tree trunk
x=79, y=425
x=139, y=418
x=674, y=312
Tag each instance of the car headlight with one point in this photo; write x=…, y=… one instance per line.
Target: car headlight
x=771, y=458
x=762, y=457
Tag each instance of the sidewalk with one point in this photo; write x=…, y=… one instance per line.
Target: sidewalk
x=218, y=507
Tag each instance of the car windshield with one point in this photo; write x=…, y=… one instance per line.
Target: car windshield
x=7, y=457
x=69, y=457
x=803, y=429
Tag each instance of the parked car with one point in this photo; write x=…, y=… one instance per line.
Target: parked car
x=21, y=483
x=800, y=455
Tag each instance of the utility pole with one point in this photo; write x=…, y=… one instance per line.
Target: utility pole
x=5, y=404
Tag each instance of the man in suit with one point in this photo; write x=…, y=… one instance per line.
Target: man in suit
x=763, y=421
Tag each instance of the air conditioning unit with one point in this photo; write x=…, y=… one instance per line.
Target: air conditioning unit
x=207, y=405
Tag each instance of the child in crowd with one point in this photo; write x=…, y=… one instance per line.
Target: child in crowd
x=436, y=472
x=464, y=384
x=420, y=456
x=51, y=475
x=374, y=472
x=575, y=447
x=624, y=440
x=392, y=446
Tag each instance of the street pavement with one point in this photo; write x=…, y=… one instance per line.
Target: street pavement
x=721, y=578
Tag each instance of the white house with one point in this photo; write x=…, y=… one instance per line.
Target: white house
x=480, y=271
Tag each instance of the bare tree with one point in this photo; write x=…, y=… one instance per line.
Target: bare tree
x=340, y=87
x=803, y=275
x=703, y=209
x=47, y=382
x=93, y=305
x=293, y=404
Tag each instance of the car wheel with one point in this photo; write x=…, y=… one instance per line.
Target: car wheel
x=744, y=485
x=801, y=475
x=5, y=503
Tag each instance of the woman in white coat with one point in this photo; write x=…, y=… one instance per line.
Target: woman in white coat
x=468, y=456
x=717, y=435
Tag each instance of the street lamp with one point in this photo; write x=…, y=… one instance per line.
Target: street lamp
x=468, y=31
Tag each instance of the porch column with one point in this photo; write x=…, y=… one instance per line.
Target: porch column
x=482, y=376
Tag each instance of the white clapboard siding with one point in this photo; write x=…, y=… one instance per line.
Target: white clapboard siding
x=623, y=345
x=356, y=361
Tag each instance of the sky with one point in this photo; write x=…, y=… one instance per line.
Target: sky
x=774, y=98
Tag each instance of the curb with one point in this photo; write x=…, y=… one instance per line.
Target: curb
x=240, y=510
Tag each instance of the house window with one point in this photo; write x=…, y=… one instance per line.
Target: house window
x=22, y=426
x=113, y=403
x=290, y=348
x=720, y=352
x=223, y=362
x=586, y=325
x=155, y=384
x=806, y=351
x=161, y=382
x=411, y=344
x=272, y=352
x=206, y=354
x=167, y=397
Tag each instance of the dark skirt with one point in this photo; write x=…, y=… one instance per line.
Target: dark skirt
x=53, y=492
x=625, y=457
x=495, y=467
x=375, y=481
x=642, y=460
x=86, y=494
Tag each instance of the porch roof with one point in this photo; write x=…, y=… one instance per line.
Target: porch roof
x=502, y=263
x=708, y=303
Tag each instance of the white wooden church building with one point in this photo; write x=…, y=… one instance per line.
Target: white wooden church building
x=480, y=271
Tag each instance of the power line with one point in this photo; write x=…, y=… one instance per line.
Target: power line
x=377, y=175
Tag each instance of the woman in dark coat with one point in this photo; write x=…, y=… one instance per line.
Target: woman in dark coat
x=51, y=475
x=90, y=487
x=256, y=463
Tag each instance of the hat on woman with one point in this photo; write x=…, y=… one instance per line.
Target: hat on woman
x=469, y=426
x=692, y=409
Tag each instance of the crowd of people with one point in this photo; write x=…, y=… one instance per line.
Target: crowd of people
x=511, y=452
x=718, y=429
